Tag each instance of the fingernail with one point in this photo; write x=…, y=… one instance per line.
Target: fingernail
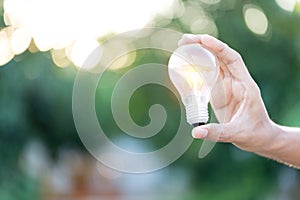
x=199, y=133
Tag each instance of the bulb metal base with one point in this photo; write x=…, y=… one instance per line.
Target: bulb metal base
x=198, y=124
x=197, y=113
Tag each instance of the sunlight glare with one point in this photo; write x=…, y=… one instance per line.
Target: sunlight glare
x=60, y=58
x=287, y=5
x=123, y=61
x=86, y=53
x=190, y=14
x=20, y=40
x=211, y=2
x=255, y=19
x=6, y=53
x=58, y=24
x=204, y=25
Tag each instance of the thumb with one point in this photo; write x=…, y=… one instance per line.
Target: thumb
x=214, y=132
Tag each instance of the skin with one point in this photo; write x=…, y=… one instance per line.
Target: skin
x=237, y=103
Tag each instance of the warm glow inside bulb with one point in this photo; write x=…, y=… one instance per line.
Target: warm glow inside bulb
x=192, y=77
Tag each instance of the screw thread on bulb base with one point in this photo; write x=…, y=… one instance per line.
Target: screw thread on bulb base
x=197, y=114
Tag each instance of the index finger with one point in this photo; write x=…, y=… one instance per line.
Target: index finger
x=189, y=39
x=232, y=59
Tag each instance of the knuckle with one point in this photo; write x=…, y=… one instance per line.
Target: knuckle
x=254, y=89
x=224, y=135
x=237, y=56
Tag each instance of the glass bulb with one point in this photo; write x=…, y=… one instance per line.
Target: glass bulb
x=194, y=71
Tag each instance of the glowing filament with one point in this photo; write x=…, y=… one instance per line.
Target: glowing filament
x=192, y=77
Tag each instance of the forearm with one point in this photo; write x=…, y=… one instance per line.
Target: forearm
x=285, y=146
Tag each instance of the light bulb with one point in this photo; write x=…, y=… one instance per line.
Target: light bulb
x=194, y=71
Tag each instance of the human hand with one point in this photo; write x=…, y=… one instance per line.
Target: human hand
x=236, y=101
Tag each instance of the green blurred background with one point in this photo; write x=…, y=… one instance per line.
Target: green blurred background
x=40, y=148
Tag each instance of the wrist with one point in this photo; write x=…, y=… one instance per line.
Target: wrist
x=275, y=140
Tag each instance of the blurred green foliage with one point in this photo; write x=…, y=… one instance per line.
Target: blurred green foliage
x=36, y=100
